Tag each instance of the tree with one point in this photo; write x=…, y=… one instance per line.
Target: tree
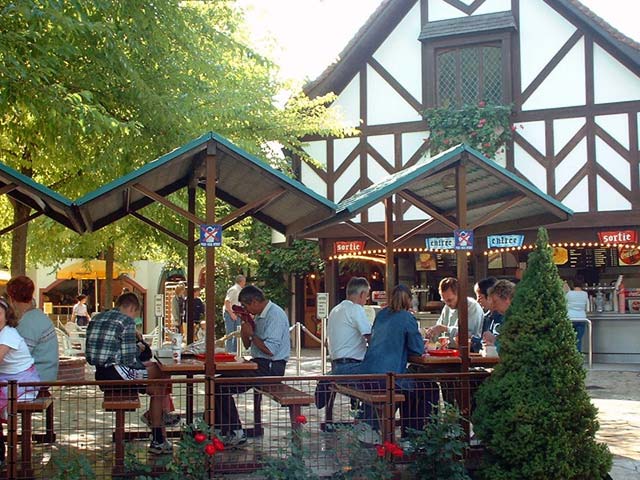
x=533, y=414
x=90, y=91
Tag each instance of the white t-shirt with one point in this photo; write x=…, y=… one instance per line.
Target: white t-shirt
x=232, y=294
x=577, y=301
x=18, y=359
x=346, y=326
x=449, y=317
x=80, y=310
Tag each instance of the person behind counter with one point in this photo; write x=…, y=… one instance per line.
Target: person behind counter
x=577, y=301
x=448, y=321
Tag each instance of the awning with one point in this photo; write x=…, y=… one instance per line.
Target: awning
x=91, y=270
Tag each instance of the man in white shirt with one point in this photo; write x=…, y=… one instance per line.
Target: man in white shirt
x=231, y=320
x=348, y=328
x=448, y=321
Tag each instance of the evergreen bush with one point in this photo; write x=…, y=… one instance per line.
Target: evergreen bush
x=533, y=414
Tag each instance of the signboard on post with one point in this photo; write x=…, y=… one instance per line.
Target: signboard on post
x=322, y=305
x=463, y=239
x=210, y=235
x=158, y=304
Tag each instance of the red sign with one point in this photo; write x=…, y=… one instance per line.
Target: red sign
x=354, y=246
x=618, y=236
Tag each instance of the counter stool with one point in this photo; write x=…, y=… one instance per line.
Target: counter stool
x=589, y=339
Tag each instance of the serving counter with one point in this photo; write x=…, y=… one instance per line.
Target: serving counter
x=616, y=337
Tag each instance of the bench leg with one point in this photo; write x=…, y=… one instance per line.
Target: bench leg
x=257, y=414
x=119, y=440
x=328, y=410
x=25, y=444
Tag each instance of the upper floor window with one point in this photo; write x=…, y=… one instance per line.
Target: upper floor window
x=467, y=74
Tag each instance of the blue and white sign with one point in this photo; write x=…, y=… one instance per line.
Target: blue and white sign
x=440, y=243
x=505, y=241
x=210, y=235
x=463, y=239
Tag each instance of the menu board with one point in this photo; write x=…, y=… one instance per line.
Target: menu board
x=585, y=257
x=446, y=260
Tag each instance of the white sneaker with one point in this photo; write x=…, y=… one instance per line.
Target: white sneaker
x=367, y=435
x=237, y=438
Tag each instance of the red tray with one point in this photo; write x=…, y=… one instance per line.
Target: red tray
x=444, y=353
x=218, y=357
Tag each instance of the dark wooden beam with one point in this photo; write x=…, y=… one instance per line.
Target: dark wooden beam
x=159, y=227
x=367, y=233
x=388, y=240
x=253, y=206
x=497, y=211
x=462, y=270
x=20, y=223
x=427, y=207
x=172, y=206
x=9, y=187
x=418, y=228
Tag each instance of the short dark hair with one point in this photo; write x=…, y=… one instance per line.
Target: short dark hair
x=357, y=285
x=20, y=289
x=128, y=299
x=82, y=296
x=9, y=312
x=485, y=284
x=448, y=283
x=250, y=293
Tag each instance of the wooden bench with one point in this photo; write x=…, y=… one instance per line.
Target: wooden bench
x=379, y=401
x=119, y=401
x=285, y=396
x=26, y=410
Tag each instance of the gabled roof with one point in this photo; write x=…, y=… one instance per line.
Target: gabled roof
x=490, y=188
x=389, y=13
x=38, y=197
x=242, y=179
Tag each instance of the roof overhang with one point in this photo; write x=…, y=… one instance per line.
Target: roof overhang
x=496, y=199
x=243, y=180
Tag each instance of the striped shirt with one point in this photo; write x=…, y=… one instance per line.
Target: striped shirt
x=111, y=340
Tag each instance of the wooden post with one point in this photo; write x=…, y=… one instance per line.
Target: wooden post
x=191, y=262
x=462, y=269
x=389, y=280
x=210, y=265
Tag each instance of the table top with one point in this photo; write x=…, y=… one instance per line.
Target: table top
x=475, y=360
x=190, y=365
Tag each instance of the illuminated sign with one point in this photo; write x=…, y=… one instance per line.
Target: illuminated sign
x=353, y=246
x=505, y=241
x=618, y=236
x=440, y=243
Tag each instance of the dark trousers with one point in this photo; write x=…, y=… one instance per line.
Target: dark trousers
x=227, y=418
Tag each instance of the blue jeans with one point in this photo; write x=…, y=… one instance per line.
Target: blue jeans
x=230, y=326
x=579, y=327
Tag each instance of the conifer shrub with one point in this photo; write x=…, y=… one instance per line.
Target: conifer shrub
x=533, y=414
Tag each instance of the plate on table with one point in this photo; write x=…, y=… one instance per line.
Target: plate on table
x=444, y=352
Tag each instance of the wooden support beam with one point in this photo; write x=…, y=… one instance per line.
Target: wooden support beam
x=251, y=207
x=160, y=199
x=430, y=209
x=388, y=239
x=9, y=187
x=159, y=227
x=20, y=223
x=367, y=233
x=497, y=211
x=407, y=235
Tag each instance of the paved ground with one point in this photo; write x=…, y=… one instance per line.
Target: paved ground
x=615, y=390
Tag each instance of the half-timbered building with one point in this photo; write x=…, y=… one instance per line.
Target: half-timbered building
x=573, y=82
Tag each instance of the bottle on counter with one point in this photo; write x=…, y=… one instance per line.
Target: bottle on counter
x=622, y=301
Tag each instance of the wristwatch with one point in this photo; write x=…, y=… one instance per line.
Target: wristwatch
x=250, y=338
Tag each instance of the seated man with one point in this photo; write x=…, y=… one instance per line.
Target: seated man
x=448, y=321
x=111, y=348
x=500, y=296
x=481, y=290
x=270, y=346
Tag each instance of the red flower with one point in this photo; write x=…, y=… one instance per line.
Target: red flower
x=397, y=452
x=473, y=134
x=209, y=449
x=487, y=145
x=199, y=437
x=301, y=419
x=218, y=444
x=446, y=141
x=481, y=103
x=380, y=450
x=513, y=128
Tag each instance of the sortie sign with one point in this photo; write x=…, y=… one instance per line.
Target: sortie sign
x=618, y=236
x=353, y=246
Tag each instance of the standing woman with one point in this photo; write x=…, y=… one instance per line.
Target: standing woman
x=178, y=307
x=577, y=301
x=16, y=363
x=80, y=315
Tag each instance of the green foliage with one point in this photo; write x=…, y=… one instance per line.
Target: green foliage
x=276, y=263
x=69, y=465
x=439, y=448
x=533, y=414
x=90, y=91
x=485, y=127
x=357, y=461
x=290, y=463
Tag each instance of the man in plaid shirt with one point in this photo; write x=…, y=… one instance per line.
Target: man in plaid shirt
x=112, y=348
